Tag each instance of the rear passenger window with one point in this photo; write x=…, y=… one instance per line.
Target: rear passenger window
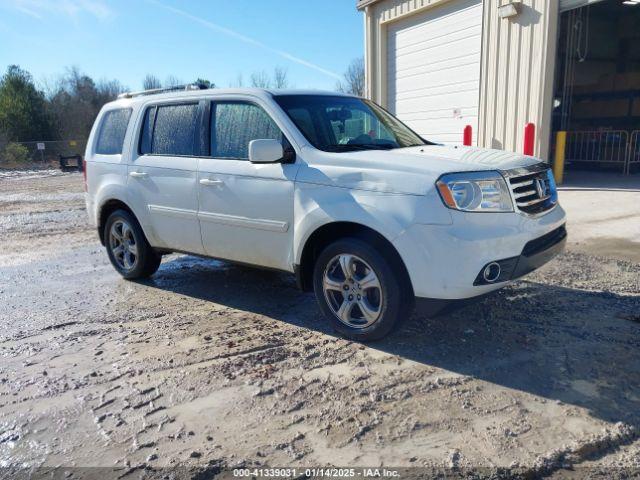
x=170, y=130
x=235, y=124
x=112, y=132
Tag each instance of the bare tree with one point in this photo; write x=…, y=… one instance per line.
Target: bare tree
x=260, y=80
x=107, y=90
x=150, y=82
x=172, y=81
x=75, y=101
x=238, y=82
x=280, y=79
x=353, y=82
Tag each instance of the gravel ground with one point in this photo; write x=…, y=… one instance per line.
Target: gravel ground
x=214, y=366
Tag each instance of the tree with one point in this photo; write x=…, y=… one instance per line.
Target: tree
x=260, y=80
x=14, y=154
x=238, y=82
x=353, y=82
x=151, y=82
x=23, y=111
x=76, y=100
x=172, y=81
x=109, y=89
x=203, y=82
x=280, y=79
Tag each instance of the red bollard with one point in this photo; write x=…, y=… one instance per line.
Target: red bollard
x=467, y=136
x=529, y=138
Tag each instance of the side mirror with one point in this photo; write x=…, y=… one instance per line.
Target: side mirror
x=265, y=151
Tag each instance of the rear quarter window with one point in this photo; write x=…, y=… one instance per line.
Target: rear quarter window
x=112, y=131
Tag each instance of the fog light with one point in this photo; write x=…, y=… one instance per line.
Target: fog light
x=496, y=271
x=491, y=272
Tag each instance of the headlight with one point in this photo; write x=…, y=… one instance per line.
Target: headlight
x=475, y=192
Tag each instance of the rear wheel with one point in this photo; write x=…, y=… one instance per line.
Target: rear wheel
x=359, y=291
x=128, y=249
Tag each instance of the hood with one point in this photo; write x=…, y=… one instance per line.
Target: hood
x=411, y=170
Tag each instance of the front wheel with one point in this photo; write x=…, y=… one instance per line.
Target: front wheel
x=127, y=247
x=359, y=290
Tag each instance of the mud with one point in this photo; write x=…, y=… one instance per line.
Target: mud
x=211, y=364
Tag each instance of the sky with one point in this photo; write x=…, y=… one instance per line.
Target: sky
x=216, y=39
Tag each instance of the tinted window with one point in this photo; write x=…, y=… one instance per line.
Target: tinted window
x=172, y=132
x=235, y=124
x=112, y=132
x=147, y=128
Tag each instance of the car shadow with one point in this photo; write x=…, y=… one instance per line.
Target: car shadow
x=567, y=345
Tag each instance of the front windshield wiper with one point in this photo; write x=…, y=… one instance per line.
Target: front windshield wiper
x=359, y=146
x=416, y=145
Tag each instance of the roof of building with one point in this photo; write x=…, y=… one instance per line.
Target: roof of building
x=363, y=3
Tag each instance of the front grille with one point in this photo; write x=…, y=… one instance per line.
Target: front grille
x=533, y=191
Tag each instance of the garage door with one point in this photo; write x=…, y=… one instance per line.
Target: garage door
x=433, y=70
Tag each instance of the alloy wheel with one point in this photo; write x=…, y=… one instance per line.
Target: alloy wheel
x=353, y=291
x=123, y=245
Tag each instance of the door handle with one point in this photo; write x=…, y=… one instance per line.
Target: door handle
x=210, y=182
x=137, y=174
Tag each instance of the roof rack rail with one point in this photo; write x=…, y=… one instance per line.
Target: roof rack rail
x=156, y=91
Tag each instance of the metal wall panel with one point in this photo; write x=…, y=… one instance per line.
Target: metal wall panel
x=517, y=75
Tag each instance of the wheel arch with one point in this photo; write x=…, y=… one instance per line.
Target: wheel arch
x=107, y=208
x=330, y=232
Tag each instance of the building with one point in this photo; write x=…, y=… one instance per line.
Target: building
x=563, y=65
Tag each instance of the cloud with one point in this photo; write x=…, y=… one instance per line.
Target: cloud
x=243, y=38
x=71, y=8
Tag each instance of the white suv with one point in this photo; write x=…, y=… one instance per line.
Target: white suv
x=330, y=187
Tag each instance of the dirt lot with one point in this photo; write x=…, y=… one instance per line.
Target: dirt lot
x=217, y=366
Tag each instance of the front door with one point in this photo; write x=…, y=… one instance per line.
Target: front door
x=163, y=176
x=246, y=209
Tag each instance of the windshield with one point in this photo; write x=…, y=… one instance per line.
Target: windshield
x=339, y=123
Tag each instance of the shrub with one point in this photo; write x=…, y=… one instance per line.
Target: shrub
x=14, y=153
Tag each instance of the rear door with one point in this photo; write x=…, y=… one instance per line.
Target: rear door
x=246, y=209
x=162, y=176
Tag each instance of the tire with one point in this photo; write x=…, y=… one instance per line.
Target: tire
x=391, y=301
x=141, y=264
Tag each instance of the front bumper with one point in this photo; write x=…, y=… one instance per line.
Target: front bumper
x=443, y=261
x=541, y=250
x=535, y=253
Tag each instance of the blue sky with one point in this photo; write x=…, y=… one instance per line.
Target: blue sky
x=217, y=39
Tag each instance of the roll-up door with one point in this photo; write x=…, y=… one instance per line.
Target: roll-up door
x=433, y=69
